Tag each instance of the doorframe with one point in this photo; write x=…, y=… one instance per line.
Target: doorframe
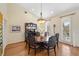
x=70, y=30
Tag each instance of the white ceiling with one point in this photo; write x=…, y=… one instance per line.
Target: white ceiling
x=49, y=9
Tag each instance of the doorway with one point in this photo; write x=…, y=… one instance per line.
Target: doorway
x=66, y=30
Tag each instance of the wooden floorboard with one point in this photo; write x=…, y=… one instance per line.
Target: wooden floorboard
x=19, y=49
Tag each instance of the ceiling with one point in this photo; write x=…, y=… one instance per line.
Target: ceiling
x=48, y=9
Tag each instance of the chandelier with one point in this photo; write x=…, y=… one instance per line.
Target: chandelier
x=41, y=20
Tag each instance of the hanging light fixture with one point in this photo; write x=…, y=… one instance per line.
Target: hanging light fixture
x=41, y=20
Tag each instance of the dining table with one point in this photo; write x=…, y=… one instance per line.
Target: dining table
x=41, y=40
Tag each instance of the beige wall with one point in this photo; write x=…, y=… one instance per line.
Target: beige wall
x=75, y=25
x=17, y=16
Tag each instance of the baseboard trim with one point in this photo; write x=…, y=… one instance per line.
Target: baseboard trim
x=15, y=43
x=65, y=43
x=76, y=46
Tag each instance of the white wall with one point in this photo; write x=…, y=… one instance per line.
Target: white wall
x=75, y=25
x=75, y=28
x=17, y=16
x=3, y=10
x=57, y=22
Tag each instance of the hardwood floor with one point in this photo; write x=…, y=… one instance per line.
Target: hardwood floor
x=0, y=51
x=19, y=49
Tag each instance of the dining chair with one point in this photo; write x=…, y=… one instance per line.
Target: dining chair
x=37, y=34
x=57, y=38
x=32, y=44
x=26, y=39
x=51, y=44
x=28, y=35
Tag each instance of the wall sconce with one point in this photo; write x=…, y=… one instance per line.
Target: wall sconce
x=54, y=28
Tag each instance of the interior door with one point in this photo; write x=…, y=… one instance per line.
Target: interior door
x=66, y=30
x=1, y=37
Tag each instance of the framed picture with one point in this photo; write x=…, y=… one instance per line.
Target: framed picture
x=16, y=28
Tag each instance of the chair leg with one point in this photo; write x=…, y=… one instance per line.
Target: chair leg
x=48, y=51
x=28, y=49
x=40, y=49
x=55, y=51
x=35, y=52
x=57, y=44
x=26, y=45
